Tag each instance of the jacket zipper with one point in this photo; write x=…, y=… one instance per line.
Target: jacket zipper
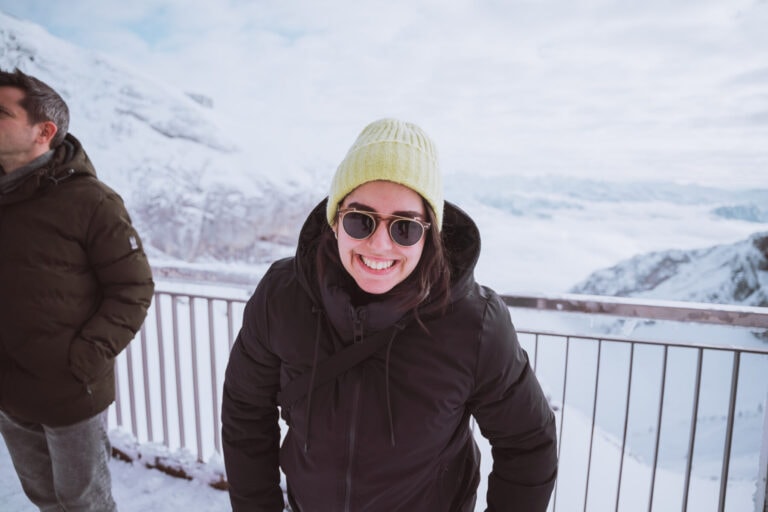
x=352, y=438
x=358, y=315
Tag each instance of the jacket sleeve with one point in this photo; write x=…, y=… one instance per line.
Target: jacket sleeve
x=250, y=429
x=514, y=415
x=124, y=280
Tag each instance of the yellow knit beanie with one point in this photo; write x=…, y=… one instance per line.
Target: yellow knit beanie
x=390, y=150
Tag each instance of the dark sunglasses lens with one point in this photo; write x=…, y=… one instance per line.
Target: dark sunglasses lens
x=406, y=232
x=358, y=225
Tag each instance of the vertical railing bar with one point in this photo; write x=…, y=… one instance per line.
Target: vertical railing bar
x=230, y=328
x=177, y=366
x=535, y=352
x=118, y=401
x=594, y=415
x=692, y=435
x=161, y=366
x=131, y=389
x=145, y=370
x=195, y=379
x=658, y=427
x=729, y=430
x=762, y=474
x=626, y=422
x=565, y=381
x=214, y=379
x=562, y=413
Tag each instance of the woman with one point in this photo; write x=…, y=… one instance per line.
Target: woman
x=378, y=346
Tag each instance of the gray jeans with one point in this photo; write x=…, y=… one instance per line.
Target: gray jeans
x=62, y=469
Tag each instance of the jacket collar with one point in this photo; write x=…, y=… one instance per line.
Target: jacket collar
x=353, y=320
x=68, y=159
x=10, y=182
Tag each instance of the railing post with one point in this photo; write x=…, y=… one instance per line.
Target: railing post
x=761, y=491
x=728, y=445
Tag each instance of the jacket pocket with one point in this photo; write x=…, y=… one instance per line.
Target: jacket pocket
x=86, y=361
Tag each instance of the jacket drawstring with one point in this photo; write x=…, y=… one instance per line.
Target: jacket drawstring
x=396, y=330
x=308, y=412
x=307, y=416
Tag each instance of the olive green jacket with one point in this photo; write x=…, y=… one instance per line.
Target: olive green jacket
x=75, y=286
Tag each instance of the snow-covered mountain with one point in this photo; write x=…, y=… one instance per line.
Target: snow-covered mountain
x=208, y=208
x=193, y=194
x=725, y=274
x=561, y=230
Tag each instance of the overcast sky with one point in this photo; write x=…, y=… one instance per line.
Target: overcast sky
x=654, y=89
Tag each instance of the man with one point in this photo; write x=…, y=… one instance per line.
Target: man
x=75, y=286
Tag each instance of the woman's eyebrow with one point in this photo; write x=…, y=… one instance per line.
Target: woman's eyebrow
x=360, y=206
x=408, y=213
x=400, y=213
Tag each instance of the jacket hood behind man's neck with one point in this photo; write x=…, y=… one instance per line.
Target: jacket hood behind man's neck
x=68, y=159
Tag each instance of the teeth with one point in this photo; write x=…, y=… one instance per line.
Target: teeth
x=377, y=265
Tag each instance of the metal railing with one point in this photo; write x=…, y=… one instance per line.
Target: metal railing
x=644, y=423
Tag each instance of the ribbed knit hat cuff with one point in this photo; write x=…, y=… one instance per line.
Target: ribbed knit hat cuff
x=395, y=151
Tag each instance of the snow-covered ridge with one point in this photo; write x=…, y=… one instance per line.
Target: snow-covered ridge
x=193, y=194
x=725, y=274
x=103, y=91
x=750, y=212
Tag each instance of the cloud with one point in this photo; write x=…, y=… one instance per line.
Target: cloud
x=504, y=86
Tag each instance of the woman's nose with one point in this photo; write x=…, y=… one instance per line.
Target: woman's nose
x=380, y=237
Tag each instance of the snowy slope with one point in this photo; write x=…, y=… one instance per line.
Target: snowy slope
x=193, y=195
x=725, y=274
x=138, y=489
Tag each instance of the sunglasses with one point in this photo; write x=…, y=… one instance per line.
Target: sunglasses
x=404, y=231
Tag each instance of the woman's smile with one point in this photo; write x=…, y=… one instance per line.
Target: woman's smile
x=377, y=265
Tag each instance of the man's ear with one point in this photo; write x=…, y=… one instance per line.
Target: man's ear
x=47, y=131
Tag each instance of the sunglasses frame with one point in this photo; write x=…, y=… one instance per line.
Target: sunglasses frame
x=377, y=218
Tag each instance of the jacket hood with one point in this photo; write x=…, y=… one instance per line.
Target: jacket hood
x=460, y=235
x=69, y=160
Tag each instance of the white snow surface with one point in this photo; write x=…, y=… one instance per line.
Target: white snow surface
x=138, y=489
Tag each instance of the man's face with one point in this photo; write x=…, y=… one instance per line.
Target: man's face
x=18, y=137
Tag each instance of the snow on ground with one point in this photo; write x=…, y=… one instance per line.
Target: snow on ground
x=135, y=487
x=139, y=489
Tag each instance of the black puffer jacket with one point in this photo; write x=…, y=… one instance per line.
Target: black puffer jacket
x=392, y=433
x=75, y=286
